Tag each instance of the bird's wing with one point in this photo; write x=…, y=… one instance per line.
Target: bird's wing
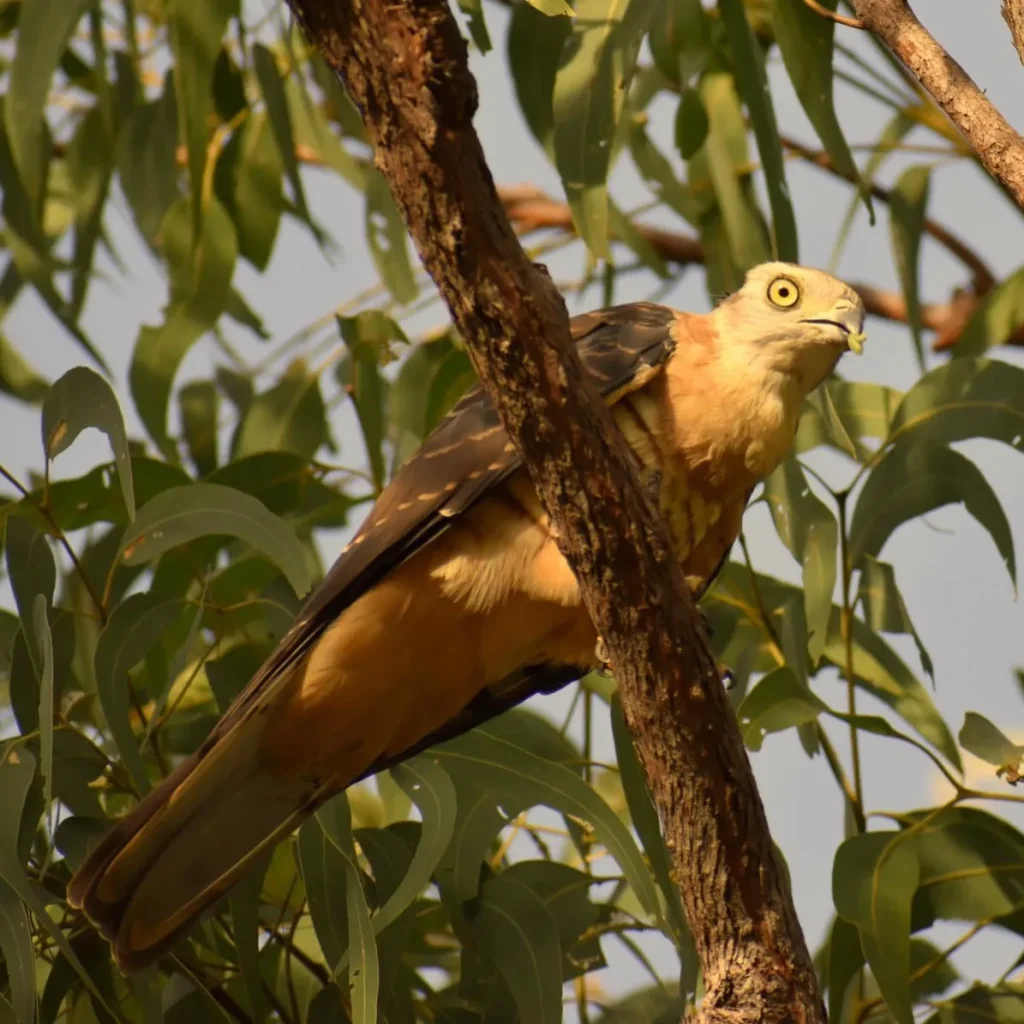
x=466, y=456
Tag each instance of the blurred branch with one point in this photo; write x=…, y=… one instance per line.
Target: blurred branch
x=530, y=209
x=839, y=19
x=1013, y=15
x=1000, y=149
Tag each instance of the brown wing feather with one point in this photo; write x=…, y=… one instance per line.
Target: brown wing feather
x=463, y=459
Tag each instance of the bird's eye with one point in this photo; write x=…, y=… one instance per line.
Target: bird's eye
x=783, y=292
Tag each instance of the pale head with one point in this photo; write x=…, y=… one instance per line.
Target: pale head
x=790, y=320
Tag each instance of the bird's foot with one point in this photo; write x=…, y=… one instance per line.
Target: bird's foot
x=728, y=679
x=601, y=653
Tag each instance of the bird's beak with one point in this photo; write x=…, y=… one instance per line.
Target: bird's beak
x=849, y=319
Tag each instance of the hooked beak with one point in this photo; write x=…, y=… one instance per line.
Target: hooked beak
x=849, y=319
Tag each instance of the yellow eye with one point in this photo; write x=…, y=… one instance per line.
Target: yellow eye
x=783, y=292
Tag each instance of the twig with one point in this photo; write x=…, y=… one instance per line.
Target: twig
x=999, y=148
x=839, y=19
x=1013, y=15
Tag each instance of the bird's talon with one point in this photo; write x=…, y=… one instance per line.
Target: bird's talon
x=728, y=679
x=601, y=653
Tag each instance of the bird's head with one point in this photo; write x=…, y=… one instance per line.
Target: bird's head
x=792, y=320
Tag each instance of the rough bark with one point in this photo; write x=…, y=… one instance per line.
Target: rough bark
x=999, y=148
x=1013, y=15
x=405, y=67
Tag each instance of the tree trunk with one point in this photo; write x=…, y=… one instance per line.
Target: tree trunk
x=404, y=65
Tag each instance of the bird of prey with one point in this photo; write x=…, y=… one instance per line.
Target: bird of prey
x=453, y=602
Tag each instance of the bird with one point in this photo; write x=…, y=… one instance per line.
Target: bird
x=453, y=603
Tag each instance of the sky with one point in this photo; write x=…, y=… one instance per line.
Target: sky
x=956, y=588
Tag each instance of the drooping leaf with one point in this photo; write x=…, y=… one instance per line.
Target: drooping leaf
x=680, y=40
x=748, y=62
x=845, y=959
x=964, y=398
x=521, y=937
x=691, y=123
x=474, y=12
x=18, y=955
x=43, y=33
x=200, y=272
x=387, y=239
x=195, y=32
x=41, y=628
x=79, y=399
x=181, y=514
x=862, y=410
x=289, y=417
x=996, y=319
x=244, y=900
x=807, y=527
x=200, y=403
x=499, y=763
x=805, y=40
x=874, y=877
x=588, y=99
x=985, y=740
x=912, y=479
x=779, y=701
x=17, y=377
x=32, y=572
x=534, y=49
x=908, y=201
x=883, y=605
x=134, y=628
x=364, y=970
x=279, y=115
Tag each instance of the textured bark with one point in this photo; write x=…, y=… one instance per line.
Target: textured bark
x=404, y=65
x=999, y=148
x=1013, y=15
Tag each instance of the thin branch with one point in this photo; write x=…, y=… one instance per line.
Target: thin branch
x=839, y=19
x=999, y=148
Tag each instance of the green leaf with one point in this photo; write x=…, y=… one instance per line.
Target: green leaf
x=874, y=877
x=134, y=628
x=725, y=163
x=534, y=48
x=43, y=32
x=474, y=12
x=963, y=399
x=280, y=118
x=972, y=867
x=623, y=230
x=146, y=166
x=807, y=527
x=19, y=957
x=200, y=276
x=552, y=8
x=680, y=40
x=430, y=788
x=199, y=402
x=181, y=514
x=289, y=417
x=388, y=241
x=195, y=32
x=847, y=413
x=32, y=572
x=323, y=869
x=648, y=828
x=41, y=628
x=17, y=378
x=748, y=62
x=911, y=480
x=883, y=605
x=17, y=771
x=244, y=899
x=984, y=740
x=496, y=762
x=519, y=934
x=79, y=399
x=364, y=970
x=845, y=959
x=249, y=176
x=805, y=40
x=590, y=90
x=908, y=202
x=691, y=123
x=778, y=702
x=997, y=318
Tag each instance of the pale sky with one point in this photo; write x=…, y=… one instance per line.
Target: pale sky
x=955, y=586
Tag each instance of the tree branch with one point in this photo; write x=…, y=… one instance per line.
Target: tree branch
x=999, y=147
x=405, y=67
x=1013, y=15
x=531, y=210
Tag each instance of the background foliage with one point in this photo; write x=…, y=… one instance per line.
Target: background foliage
x=491, y=879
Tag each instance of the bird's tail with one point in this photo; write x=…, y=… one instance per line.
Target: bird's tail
x=186, y=843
